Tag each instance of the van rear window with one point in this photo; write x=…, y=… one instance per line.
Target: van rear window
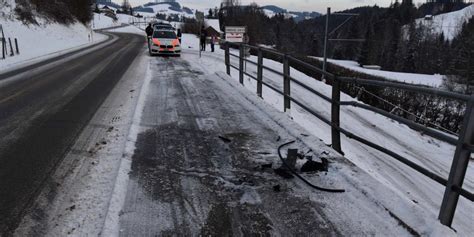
x=164, y=34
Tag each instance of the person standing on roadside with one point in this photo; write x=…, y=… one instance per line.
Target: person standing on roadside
x=149, y=33
x=213, y=40
x=179, y=34
x=203, y=39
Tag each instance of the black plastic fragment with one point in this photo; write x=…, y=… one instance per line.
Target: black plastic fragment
x=313, y=166
x=225, y=139
x=284, y=173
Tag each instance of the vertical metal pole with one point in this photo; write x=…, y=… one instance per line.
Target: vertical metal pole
x=200, y=38
x=3, y=48
x=2, y=37
x=458, y=167
x=11, y=47
x=227, y=59
x=326, y=41
x=260, y=73
x=335, y=115
x=241, y=64
x=16, y=46
x=286, y=83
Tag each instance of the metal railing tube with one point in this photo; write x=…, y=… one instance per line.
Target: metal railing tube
x=407, y=87
x=328, y=75
x=311, y=90
x=409, y=123
x=464, y=193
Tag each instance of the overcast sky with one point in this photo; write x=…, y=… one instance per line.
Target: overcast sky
x=296, y=5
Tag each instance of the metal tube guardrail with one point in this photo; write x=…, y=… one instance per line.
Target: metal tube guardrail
x=412, y=88
x=432, y=133
x=464, y=143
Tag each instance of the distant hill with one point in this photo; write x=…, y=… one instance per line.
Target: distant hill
x=450, y=24
x=272, y=10
x=164, y=8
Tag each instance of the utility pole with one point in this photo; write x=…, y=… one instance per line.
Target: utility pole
x=326, y=41
x=326, y=35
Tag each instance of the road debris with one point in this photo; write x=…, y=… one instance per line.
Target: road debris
x=313, y=166
x=225, y=139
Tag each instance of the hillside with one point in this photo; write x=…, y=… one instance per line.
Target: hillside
x=40, y=40
x=168, y=9
x=450, y=24
x=272, y=10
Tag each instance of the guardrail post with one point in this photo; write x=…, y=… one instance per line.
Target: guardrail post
x=260, y=73
x=458, y=167
x=241, y=64
x=335, y=116
x=11, y=47
x=286, y=83
x=16, y=46
x=4, y=48
x=227, y=59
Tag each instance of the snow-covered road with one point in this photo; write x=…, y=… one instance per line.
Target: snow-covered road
x=177, y=147
x=186, y=180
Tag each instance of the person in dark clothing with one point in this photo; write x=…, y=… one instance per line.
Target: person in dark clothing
x=179, y=34
x=213, y=40
x=149, y=30
x=203, y=39
x=149, y=33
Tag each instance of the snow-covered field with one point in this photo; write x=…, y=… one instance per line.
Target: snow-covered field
x=102, y=21
x=414, y=78
x=421, y=149
x=165, y=9
x=450, y=24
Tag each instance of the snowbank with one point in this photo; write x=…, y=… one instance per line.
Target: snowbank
x=40, y=41
x=450, y=24
x=414, y=78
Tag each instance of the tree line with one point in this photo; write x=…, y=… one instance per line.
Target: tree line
x=61, y=11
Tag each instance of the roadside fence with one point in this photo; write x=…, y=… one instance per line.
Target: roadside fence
x=12, y=45
x=464, y=142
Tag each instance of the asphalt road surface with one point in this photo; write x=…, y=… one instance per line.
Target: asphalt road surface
x=197, y=168
x=42, y=112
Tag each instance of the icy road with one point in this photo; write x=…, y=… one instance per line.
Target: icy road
x=111, y=142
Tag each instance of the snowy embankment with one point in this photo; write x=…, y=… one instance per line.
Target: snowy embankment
x=421, y=149
x=450, y=24
x=102, y=21
x=39, y=42
x=42, y=41
x=413, y=78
